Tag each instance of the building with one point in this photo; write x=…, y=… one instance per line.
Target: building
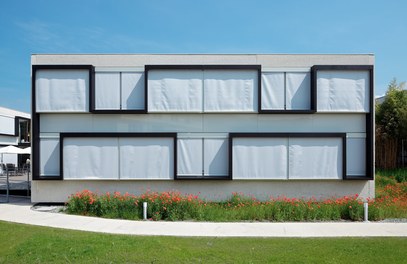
x=261, y=124
x=14, y=131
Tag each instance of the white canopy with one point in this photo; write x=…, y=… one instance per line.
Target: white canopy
x=13, y=150
x=26, y=150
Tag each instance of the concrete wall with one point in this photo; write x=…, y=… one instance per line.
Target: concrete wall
x=58, y=191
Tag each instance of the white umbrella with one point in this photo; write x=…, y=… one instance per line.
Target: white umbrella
x=12, y=150
x=26, y=151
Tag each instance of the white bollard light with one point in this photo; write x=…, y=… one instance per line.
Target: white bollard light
x=366, y=211
x=145, y=210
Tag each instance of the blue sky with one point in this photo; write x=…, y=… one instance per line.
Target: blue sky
x=188, y=26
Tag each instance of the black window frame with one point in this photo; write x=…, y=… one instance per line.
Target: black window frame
x=342, y=136
x=64, y=135
x=313, y=96
x=203, y=177
x=369, y=117
x=35, y=117
x=256, y=67
x=94, y=110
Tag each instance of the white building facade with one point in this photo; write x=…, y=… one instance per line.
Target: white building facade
x=265, y=125
x=14, y=131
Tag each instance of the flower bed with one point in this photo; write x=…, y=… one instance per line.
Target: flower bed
x=174, y=206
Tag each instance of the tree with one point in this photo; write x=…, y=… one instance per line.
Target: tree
x=391, y=125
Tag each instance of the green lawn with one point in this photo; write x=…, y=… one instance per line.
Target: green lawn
x=31, y=244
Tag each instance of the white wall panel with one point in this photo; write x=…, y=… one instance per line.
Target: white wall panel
x=62, y=90
x=8, y=140
x=7, y=125
x=147, y=123
x=120, y=123
x=230, y=91
x=49, y=157
x=312, y=123
x=216, y=157
x=230, y=123
x=132, y=90
x=315, y=158
x=356, y=156
x=272, y=89
x=190, y=157
x=51, y=123
x=175, y=90
x=298, y=91
x=260, y=158
x=348, y=123
x=91, y=158
x=146, y=158
x=107, y=90
x=346, y=91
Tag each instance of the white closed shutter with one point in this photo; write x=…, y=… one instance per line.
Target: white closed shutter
x=175, y=90
x=62, y=91
x=315, y=158
x=146, y=158
x=132, y=91
x=49, y=157
x=298, y=91
x=260, y=158
x=230, y=90
x=343, y=91
x=107, y=91
x=215, y=157
x=91, y=158
x=273, y=89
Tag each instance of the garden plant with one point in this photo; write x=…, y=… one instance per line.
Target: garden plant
x=390, y=202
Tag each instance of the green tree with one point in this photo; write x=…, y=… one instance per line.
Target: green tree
x=391, y=115
x=391, y=125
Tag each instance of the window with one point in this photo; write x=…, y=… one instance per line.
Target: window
x=286, y=92
x=119, y=91
x=260, y=158
x=315, y=158
x=288, y=156
x=175, y=91
x=146, y=158
x=7, y=125
x=114, y=156
x=202, y=88
x=49, y=157
x=356, y=155
x=24, y=130
x=202, y=156
x=230, y=91
x=62, y=88
x=90, y=158
x=107, y=90
x=343, y=88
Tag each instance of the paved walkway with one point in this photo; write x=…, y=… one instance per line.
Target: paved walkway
x=20, y=211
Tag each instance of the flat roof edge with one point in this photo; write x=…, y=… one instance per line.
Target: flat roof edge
x=242, y=54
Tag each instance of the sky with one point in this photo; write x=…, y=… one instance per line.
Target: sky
x=198, y=26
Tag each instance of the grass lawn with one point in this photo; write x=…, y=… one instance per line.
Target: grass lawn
x=32, y=244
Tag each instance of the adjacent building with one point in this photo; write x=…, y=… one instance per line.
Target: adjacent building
x=213, y=124
x=14, y=131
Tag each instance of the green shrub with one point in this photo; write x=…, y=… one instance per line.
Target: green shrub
x=399, y=174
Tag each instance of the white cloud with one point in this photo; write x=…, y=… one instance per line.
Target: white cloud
x=55, y=38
